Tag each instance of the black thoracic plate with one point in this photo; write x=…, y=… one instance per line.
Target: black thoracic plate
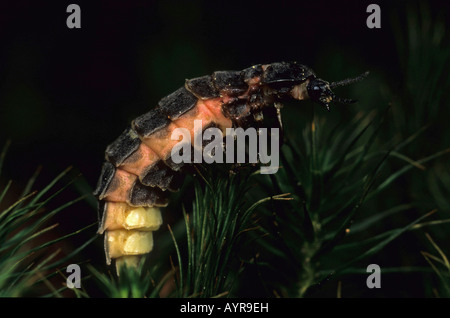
x=230, y=82
x=107, y=174
x=202, y=87
x=239, y=113
x=150, y=122
x=177, y=103
x=251, y=72
x=147, y=196
x=161, y=176
x=125, y=145
x=235, y=109
x=286, y=72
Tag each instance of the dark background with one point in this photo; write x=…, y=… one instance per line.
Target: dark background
x=65, y=94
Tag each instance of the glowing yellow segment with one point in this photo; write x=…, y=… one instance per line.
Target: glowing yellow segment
x=145, y=219
x=123, y=242
x=120, y=215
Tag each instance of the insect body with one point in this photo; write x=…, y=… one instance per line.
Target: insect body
x=139, y=173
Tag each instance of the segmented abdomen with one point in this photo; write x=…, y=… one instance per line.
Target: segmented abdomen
x=138, y=174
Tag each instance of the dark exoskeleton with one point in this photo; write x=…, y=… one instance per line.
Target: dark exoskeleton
x=139, y=174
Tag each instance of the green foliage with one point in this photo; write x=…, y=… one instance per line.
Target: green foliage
x=332, y=174
x=424, y=56
x=133, y=283
x=441, y=267
x=25, y=264
x=215, y=235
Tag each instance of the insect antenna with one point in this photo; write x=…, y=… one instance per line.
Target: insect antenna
x=344, y=100
x=349, y=80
